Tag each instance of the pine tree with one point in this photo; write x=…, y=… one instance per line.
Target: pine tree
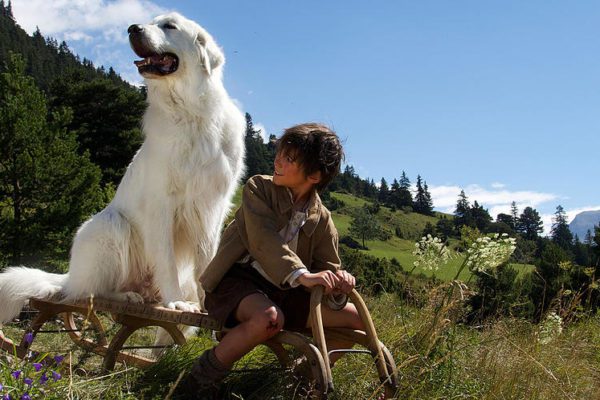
x=49, y=188
x=530, y=224
x=347, y=179
x=422, y=203
x=514, y=213
x=560, y=233
x=369, y=189
x=394, y=193
x=384, y=192
x=481, y=217
x=405, y=198
x=428, y=200
x=505, y=219
x=259, y=156
x=462, y=213
x=580, y=252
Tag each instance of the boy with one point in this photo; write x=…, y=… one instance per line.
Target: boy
x=281, y=242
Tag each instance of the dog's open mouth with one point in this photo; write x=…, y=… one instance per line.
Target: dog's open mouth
x=158, y=64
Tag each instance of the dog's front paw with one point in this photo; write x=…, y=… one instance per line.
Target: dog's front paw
x=133, y=297
x=182, y=306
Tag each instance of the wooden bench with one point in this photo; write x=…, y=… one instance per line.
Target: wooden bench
x=131, y=317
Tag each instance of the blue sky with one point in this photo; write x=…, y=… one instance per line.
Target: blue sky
x=499, y=98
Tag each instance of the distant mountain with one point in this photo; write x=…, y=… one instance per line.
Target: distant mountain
x=584, y=221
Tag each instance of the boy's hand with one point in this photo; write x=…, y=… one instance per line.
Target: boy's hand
x=346, y=281
x=327, y=279
x=338, y=281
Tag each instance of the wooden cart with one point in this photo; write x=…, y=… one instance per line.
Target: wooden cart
x=132, y=317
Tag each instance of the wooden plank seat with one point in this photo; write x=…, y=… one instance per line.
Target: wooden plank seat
x=132, y=317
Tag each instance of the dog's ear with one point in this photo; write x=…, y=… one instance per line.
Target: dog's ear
x=210, y=55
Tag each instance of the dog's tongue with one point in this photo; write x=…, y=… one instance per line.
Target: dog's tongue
x=164, y=61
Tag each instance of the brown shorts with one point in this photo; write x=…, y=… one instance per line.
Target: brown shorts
x=242, y=280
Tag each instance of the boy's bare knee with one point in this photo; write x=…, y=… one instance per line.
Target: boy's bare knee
x=267, y=323
x=274, y=319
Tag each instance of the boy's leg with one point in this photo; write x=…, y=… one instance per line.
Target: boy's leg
x=260, y=319
x=347, y=317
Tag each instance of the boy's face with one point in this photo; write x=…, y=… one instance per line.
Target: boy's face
x=289, y=173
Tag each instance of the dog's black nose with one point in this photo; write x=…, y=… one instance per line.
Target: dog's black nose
x=135, y=29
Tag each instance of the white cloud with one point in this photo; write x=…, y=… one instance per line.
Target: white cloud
x=498, y=185
x=95, y=29
x=263, y=131
x=78, y=36
x=55, y=18
x=495, y=199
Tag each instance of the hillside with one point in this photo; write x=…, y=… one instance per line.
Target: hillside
x=410, y=226
x=46, y=59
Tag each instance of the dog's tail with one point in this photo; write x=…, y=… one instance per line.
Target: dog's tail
x=19, y=284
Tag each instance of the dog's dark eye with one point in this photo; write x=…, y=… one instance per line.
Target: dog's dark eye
x=169, y=25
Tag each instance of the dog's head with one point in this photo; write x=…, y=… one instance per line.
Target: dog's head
x=172, y=43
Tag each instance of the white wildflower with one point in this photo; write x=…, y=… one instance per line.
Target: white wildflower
x=550, y=328
x=486, y=253
x=430, y=253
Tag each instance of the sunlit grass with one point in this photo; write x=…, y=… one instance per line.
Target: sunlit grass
x=501, y=359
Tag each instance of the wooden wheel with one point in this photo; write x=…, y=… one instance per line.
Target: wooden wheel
x=384, y=362
x=76, y=329
x=313, y=363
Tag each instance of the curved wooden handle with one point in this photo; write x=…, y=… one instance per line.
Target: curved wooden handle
x=374, y=342
x=318, y=332
x=316, y=323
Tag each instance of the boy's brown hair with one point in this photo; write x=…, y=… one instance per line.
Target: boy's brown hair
x=314, y=147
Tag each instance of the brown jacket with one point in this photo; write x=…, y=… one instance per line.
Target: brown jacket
x=265, y=210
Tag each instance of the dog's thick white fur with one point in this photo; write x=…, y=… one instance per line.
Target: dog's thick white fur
x=162, y=228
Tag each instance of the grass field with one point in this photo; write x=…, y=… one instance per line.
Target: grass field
x=502, y=359
x=410, y=224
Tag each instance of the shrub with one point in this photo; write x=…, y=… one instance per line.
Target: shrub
x=372, y=274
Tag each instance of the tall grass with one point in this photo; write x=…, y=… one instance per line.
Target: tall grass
x=501, y=359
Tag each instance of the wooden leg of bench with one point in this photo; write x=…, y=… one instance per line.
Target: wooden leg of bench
x=130, y=324
x=316, y=364
x=37, y=323
x=374, y=343
x=114, y=348
x=22, y=348
x=316, y=322
x=78, y=336
x=388, y=375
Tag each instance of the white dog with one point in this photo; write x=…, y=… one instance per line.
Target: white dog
x=162, y=228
